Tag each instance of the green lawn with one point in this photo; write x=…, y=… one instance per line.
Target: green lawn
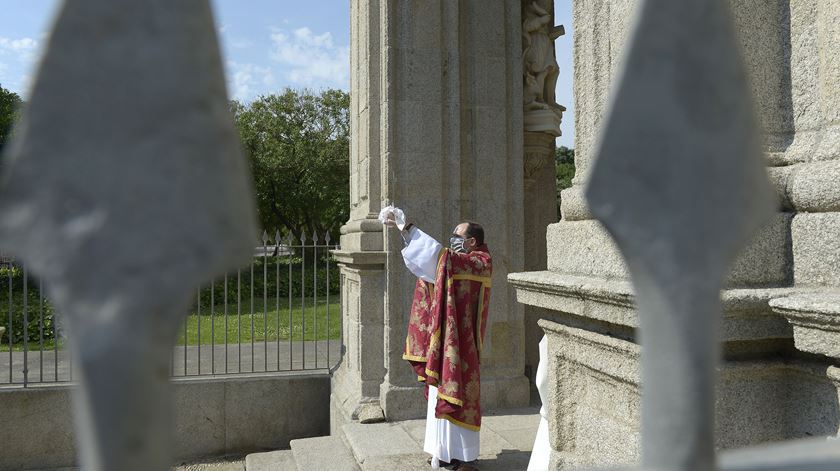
x=49, y=345
x=315, y=317
x=216, y=323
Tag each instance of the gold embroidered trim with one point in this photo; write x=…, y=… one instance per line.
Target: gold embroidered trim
x=412, y=357
x=474, y=428
x=450, y=399
x=484, y=280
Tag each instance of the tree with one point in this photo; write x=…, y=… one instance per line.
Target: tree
x=565, y=167
x=10, y=104
x=298, y=147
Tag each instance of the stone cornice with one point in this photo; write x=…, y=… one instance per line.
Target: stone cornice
x=363, y=259
x=747, y=312
x=816, y=320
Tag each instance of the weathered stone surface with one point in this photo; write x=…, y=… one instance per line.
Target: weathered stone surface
x=323, y=453
x=585, y=248
x=199, y=431
x=816, y=321
x=218, y=464
x=813, y=187
x=816, y=248
x=282, y=460
x=747, y=315
x=598, y=394
x=402, y=462
x=358, y=379
x=813, y=455
x=42, y=416
x=370, y=413
x=206, y=412
x=246, y=427
x=377, y=440
x=573, y=205
x=506, y=437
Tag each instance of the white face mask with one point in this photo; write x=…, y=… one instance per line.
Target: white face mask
x=456, y=243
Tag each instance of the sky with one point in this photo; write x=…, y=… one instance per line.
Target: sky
x=270, y=45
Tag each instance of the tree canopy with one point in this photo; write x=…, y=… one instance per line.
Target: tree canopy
x=297, y=144
x=565, y=167
x=10, y=104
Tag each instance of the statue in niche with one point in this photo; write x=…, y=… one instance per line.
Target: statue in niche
x=539, y=63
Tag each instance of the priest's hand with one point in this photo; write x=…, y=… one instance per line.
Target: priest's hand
x=393, y=217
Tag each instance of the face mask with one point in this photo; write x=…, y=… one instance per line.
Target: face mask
x=456, y=243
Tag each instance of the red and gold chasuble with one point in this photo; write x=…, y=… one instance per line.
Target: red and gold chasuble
x=446, y=331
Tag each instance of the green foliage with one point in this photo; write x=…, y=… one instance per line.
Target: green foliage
x=10, y=104
x=298, y=147
x=565, y=167
x=272, y=264
x=34, y=323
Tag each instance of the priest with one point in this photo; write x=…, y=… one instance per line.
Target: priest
x=446, y=329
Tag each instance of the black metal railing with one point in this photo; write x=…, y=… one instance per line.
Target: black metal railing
x=282, y=312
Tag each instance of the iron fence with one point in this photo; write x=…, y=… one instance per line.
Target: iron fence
x=281, y=312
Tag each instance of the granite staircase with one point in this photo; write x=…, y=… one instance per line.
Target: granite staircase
x=506, y=440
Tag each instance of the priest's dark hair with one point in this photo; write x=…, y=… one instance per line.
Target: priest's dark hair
x=475, y=230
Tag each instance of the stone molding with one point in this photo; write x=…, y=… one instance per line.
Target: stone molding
x=816, y=321
x=747, y=313
x=361, y=259
x=368, y=224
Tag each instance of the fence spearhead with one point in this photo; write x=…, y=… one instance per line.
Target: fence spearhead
x=679, y=183
x=126, y=152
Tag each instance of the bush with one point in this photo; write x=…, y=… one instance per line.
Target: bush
x=33, y=327
x=271, y=284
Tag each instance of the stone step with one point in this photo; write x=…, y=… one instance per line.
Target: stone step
x=327, y=453
x=281, y=460
x=384, y=446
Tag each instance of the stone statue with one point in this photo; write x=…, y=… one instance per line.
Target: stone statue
x=539, y=64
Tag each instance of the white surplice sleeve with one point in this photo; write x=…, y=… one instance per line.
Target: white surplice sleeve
x=421, y=254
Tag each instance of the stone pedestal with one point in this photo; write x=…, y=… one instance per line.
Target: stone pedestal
x=780, y=321
x=355, y=385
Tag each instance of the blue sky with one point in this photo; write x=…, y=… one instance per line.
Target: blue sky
x=267, y=45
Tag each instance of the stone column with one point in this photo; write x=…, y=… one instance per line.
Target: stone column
x=542, y=116
x=451, y=151
x=436, y=125
x=355, y=386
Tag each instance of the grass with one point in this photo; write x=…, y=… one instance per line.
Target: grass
x=264, y=330
x=49, y=345
x=215, y=324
